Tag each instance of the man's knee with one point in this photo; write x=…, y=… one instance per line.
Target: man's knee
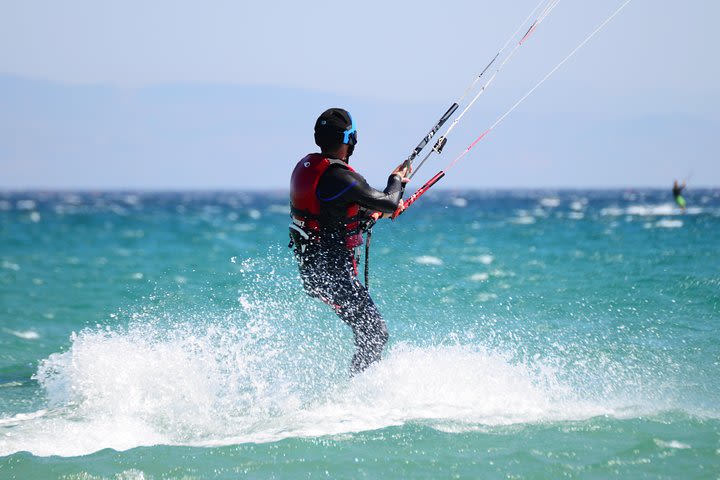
x=372, y=335
x=382, y=334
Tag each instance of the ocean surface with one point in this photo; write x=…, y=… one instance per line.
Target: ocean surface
x=533, y=334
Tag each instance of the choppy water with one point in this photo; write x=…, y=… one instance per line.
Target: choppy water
x=533, y=335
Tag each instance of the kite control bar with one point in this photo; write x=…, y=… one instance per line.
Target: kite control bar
x=420, y=191
x=426, y=139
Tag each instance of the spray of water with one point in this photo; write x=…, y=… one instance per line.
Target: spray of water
x=275, y=365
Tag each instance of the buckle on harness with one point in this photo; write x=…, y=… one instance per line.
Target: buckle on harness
x=304, y=237
x=303, y=233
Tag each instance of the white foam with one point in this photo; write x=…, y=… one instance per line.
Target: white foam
x=226, y=382
x=612, y=211
x=24, y=334
x=428, y=260
x=486, y=297
x=524, y=220
x=674, y=444
x=652, y=210
x=10, y=266
x=449, y=388
x=143, y=387
x=484, y=259
x=131, y=199
x=114, y=390
x=578, y=205
x=21, y=417
x=643, y=210
x=669, y=223
x=550, y=202
x=10, y=385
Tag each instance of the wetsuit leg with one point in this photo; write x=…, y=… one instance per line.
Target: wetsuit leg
x=680, y=201
x=331, y=278
x=356, y=308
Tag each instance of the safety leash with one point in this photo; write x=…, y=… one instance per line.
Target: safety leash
x=367, y=257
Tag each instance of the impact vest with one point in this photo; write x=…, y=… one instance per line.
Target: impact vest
x=306, y=207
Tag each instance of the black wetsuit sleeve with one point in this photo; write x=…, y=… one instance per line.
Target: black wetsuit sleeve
x=340, y=185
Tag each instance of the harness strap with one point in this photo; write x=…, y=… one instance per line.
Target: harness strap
x=302, y=232
x=367, y=257
x=304, y=214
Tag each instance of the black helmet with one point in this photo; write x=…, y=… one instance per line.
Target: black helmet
x=334, y=127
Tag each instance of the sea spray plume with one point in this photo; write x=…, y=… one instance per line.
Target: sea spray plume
x=451, y=388
x=175, y=382
x=214, y=399
x=131, y=374
x=184, y=375
x=315, y=343
x=272, y=366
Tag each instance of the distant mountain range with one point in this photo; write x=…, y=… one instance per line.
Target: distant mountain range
x=234, y=137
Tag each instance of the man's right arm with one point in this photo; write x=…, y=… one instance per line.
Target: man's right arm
x=342, y=184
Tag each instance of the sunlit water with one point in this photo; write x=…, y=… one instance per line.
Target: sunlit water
x=532, y=335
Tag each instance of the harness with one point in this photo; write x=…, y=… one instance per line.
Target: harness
x=309, y=221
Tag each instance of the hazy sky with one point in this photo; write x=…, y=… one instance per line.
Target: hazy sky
x=657, y=58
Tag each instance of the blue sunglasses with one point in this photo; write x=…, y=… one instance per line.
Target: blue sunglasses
x=350, y=136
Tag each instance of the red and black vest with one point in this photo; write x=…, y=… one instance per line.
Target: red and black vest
x=306, y=207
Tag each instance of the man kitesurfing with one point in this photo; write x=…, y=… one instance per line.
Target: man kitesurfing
x=677, y=194
x=331, y=205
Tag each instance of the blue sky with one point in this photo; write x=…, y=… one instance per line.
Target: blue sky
x=136, y=91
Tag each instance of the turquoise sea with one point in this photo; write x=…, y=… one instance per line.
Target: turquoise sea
x=533, y=334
